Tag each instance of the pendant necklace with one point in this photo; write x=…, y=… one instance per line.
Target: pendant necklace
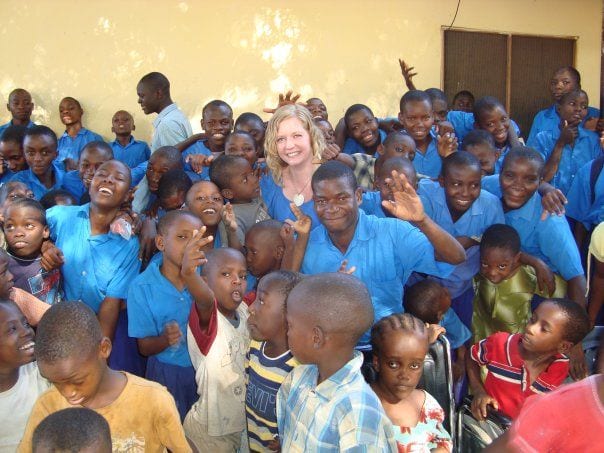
x=299, y=198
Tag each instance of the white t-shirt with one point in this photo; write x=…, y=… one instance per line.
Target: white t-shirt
x=16, y=404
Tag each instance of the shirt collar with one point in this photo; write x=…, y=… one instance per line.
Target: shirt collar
x=341, y=378
x=170, y=108
x=526, y=212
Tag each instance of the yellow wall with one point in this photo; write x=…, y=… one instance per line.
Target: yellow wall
x=344, y=51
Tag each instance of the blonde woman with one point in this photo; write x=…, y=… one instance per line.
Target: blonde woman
x=293, y=146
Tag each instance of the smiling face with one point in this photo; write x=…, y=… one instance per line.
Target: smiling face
x=337, y=205
x=20, y=106
x=562, y=82
x=241, y=145
x=573, y=108
x=545, y=329
x=267, y=313
x=122, y=123
x=24, y=231
x=462, y=188
x=293, y=142
x=70, y=112
x=90, y=161
x=217, y=123
x=227, y=278
x=158, y=165
x=39, y=151
x=205, y=201
x=316, y=108
x=497, y=264
x=399, y=363
x=496, y=122
x=16, y=338
x=12, y=153
x=363, y=127
x=417, y=119
x=110, y=186
x=519, y=180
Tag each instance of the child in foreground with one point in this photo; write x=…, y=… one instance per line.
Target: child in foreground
x=521, y=365
x=400, y=344
x=269, y=359
x=324, y=403
x=72, y=354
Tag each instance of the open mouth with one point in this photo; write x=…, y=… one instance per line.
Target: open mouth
x=76, y=402
x=209, y=211
x=106, y=191
x=27, y=346
x=218, y=136
x=464, y=203
x=369, y=138
x=236, y=295
x=292, y=154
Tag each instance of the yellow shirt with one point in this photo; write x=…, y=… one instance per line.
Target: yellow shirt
x=142, y=419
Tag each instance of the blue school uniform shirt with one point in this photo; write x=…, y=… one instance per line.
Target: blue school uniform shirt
x=457, y=332
x=28, y=178
x=6, y=176
x=10, y=123
x=580, y=206
x=73, y=184
x=134, y=153
x=549, y=120
x=484, y=212
x=351, y=146
x=428, y=163
x=199, y=147
x=277, y=204
x=138, y=173
x=372, y=203
x=549, y=240
x=153, y=301
x=97, y=266
x=585, y=149
x=385, y=252
x=463, y=123
x=70, y=147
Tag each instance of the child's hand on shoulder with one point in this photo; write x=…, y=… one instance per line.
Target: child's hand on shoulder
x=302, y=223
x=228, y=217
x=199, y=161
x=194, y=256
x=479, y=405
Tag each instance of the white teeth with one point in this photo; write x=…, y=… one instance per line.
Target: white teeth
x=29, y=345
x=209, y=211
x=218, y=135
x=293, y=154
x=105, y=190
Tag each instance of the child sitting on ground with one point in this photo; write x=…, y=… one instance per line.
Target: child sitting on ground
x=125, y=148
x=74, y=138
x=238, y=183
x=325, y=403
x=482, y=145
x=26, y=229
x=75, y=430
x=72, y=354
x=269, y=359
x=20, y=381
x=77, y=182
x=505, y=289
x=217, y=339
x=11, y=152
x=400, y=344
x=521, y=365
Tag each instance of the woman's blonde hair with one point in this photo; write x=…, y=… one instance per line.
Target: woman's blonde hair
x=317, y=139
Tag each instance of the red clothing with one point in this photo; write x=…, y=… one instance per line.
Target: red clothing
x=542, y=427
x=507, y=379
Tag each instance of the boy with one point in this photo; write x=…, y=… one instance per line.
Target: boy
x=125, y=148
x=73, y=430
x=324, y=403
x=440, y=104
x=217, y=338
x=11, y=152
x=238, y=184
x=251, y=123
x=378, y=248
x=159, y=303
x=40, y=149
x=25, y=229
x=364, y=136
x=172, y=191
x=242, y=144
x=20, y=107
x=505, y=289
x=72, y=354
x=58, y=197
x=75, y=136
x=521, y=365
x=490, y=115
x=481, y=144
x=317, y=108
x=77, y=182
x=463, y=101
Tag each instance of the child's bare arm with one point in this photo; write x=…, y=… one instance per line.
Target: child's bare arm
x=596, y=291
x=545, y=276
x=341, y=133
x=459, y=366
x=481, y=398
x=189, y=141
x=567, y=137
x=230, y=223
x=408, y=74
x=108, y=314
x=154, y=345
x=302, y=227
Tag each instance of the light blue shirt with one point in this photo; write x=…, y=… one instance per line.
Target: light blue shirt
x=580, y=206
x=372, y=203
x=463, y=123
x=457, y=332
x=97, y=266
x=134, y=153
x=10, y=123
x=170, y=127
x=385, y=252
x=28, y=178
x=73, y=184
x=70, y=147
x=428, y=164
x=153, y=301
x=549, y=240
x=278, y=205
x=351, y=146
x=549, y=120
x=585, y=149
x=198, y=147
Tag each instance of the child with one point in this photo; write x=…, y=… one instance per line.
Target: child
x=463, y=101
x=40, y=149
x=430, y=302
x=172, y=191
x=520, y=365
x=238, y=184
x=505, y=289
x=400, y=344
x=74, y=430
x=72, y=354
x=565, y=151
x=125, y=148
x=11, y=152
x=269, y=359
x=325, y=403
x=12, y=191
x=20, y=107
x=327, y=129
x=317, y=108
x=217, y=338
x=20, y=381
x=159, y=303
x=252, y=124
x=264, y=248
x=482, y=145
x=242, y=144
x=364, y=136
x=490, y=115
x=26, y=229
x=75, y=136
x=77, y=182
x=440, y=105
x=59, y=197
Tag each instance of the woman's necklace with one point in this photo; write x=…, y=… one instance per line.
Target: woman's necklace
x=299, y=197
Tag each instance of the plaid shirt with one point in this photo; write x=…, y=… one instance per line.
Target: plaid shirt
x=340, y=414
x=364, y=170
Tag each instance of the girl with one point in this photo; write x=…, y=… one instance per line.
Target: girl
x=269, y=359
x=400, y=343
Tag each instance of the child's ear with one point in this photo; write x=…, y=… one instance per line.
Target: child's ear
x=565, y=347
x=227, y=193
x=46, y=232
x=376, y=363
x=112, y=129
x=318, y=337
x=359, y=195
x=441, y=181
x=380, y=149
x=105, y=348
x=516, y=260
x=133, y=127
x=159, y=243
x=279, y=251
x=400, y=118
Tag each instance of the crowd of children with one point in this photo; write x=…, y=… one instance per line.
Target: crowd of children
x=276, y=286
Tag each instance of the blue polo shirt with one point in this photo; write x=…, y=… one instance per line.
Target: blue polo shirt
x=278, y=205
x=28, y=178
x=134, y=153
x=580, y=206
x=585, y=149
x=549, y=240
x=73, y=184
x=153, y=301
x=372, y=203
x=428, y=164
x=138, y=173
x=71, y=147
x=6, y=176
x=10, y=123
x=97, y=266
x=485, y=211
x=549, y=120
x=351, y=146
x=385, y=252
x=463, y=122
x=199, y=147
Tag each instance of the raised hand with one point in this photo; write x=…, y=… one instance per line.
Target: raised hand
x=194, y=256
x=287, y=235
x=302, y=223
x=404, y=202
x=446, y=144
x=408, y=74
x=331, y=151
x=199, y=161
x=228, y=217
x=285, y=100
x=568, y=134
